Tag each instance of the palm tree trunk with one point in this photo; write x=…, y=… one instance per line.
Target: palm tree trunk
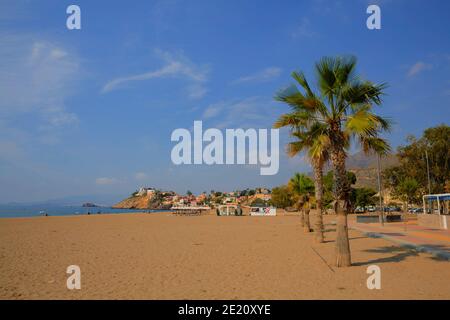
x=318, y=184
x=405, y=217
x=341, y=190
x=302, y=218
x=307, y=226
x=302, y=215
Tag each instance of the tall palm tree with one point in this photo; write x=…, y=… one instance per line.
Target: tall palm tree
x=316, y=146
x=342, y=110
x=303, y=187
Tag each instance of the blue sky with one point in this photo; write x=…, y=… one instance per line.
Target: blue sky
x=91, y=111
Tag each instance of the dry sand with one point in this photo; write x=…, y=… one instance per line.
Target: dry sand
x=163, y=256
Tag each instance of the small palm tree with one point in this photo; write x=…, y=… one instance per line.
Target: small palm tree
x=303, y=187
x=342, y=110
x=408, y=189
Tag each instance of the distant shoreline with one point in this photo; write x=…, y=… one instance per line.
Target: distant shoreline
x=62, y=211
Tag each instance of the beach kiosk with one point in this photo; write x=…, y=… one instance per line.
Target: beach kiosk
x=229, y=210
x=436, y=211
x=263, y=211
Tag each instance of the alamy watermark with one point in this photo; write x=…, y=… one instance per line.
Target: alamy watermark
x=374, y=280
x=241, y=146
x=74, y=280
x=73, y=21
x=373, y=22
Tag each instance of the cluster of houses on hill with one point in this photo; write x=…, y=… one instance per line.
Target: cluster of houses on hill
x=212, y=198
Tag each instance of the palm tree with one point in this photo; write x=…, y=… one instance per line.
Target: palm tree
x=316, y=145
x=342, y=110
x=302, y=186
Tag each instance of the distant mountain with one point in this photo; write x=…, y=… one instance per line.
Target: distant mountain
x=365, y=168
x=360, y=160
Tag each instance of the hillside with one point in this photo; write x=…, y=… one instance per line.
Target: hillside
x=141, y=202
x=365, y=168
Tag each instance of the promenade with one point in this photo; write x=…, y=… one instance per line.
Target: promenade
x=410, y=234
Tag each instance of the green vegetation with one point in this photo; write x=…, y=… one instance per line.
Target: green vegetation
x=362, y=197
x=259, y=203
x=328, y=187
x=407, y=191
x=302, y=188
x=282, y=197
x=410, y=178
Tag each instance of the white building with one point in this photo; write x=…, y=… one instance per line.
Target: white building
x=145, y=191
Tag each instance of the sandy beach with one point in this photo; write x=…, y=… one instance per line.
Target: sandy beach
x=164, y=256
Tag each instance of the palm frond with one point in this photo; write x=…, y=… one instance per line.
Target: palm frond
x=294, y=148
x=375, y=144
x=301, y=79
x=325, y=75
x=320, y=148
x=293, y=120
x=338, y=113
x=362, y=122
x=344, y=69
x=362, y=92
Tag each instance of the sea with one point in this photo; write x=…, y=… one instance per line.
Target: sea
x=17, y=211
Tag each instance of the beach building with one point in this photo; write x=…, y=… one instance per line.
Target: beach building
x=263, y=190
x=436, y=211
x=261, y=210
x=229, y=199
x=146, y=191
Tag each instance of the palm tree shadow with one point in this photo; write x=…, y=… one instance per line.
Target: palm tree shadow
x=403, y=252
x=443, y=252
x=400, y=254
x=354, y=238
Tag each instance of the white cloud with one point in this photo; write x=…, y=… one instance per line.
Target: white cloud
x=176, y=66
x=418, y=67
x=140, y=176
x=196, y=91
x=103, y=181
x=213, y=110
x=252, y=112
x=37, y=77
x=264, y=75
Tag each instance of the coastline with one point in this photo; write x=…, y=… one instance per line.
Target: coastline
x=34, y=213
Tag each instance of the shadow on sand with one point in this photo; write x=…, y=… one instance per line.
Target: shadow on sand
x=350, y=239
x=400, y=253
